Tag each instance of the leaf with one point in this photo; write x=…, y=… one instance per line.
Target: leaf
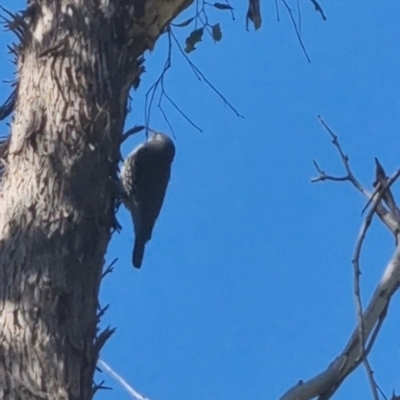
x=193, y=39
x=184, y=23
x=256, y=19
x=216, y=32
x=254, y=14
x=222, y=6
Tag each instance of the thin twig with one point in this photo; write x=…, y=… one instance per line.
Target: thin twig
x=202, y=77
x=99, y=386
x=102, y=311
x=371, y=379
x=135, y=394
x=109, y=269
x=159, y=85
x=381, y=392
x=183, y=114
x=323, y=176
x=153, y=88
x=277, y=11
x=319, y=9
x=344, y=157
x=299, y=14
x=296, y=29
x=386, y=217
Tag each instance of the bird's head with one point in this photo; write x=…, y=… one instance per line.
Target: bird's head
x=159, y=137
x=161, y=142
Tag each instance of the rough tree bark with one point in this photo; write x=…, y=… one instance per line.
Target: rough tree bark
x=77, y=60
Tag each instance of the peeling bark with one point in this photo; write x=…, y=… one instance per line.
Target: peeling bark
x=77, y=61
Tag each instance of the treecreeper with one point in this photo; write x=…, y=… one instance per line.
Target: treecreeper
x=144, y=180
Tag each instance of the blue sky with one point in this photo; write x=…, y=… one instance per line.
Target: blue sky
x=246, y=286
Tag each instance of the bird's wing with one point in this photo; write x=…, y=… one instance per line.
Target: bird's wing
x=152, y=173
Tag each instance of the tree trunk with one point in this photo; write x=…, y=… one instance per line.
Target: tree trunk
x=77, y=60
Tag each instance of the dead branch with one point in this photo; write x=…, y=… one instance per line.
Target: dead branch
x=369, y=322
x=382, y=192
x=388, y=218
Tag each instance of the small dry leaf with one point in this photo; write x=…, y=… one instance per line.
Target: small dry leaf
x=216, y=32
x=194, y=38
x=254, y=14
x=184, y=23
x=222, y=6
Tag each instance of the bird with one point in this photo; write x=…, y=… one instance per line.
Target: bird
x=144, y=179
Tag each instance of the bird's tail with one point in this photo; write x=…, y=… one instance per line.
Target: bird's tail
x=138, y=252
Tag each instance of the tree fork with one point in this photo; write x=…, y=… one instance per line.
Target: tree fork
x=77, y=61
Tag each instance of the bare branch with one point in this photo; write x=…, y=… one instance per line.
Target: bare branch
x=376, y=198
x=345, y=160
x=357, y=271
x=386, y=217
x=323, y=176
x=312, y=388
x=369, y=321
